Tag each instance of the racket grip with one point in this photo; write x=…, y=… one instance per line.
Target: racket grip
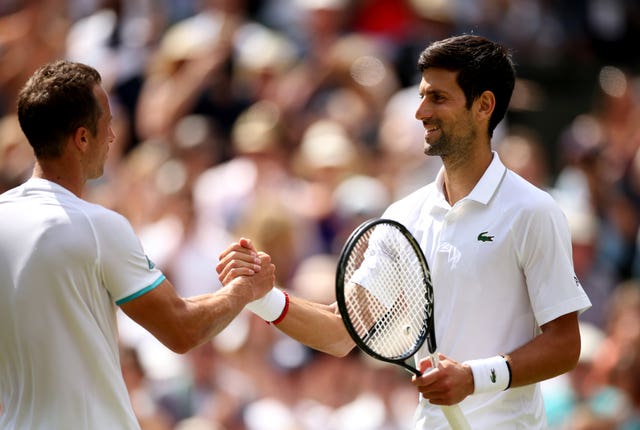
x=456, y=418
x=452, y=413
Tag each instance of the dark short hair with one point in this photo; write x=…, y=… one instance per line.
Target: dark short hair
x=56, y=100
x=482, y=65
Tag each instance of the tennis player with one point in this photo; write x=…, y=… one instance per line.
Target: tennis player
x=66, y=264
x=506, y=297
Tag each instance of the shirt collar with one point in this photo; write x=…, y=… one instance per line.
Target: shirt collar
x=484, y=189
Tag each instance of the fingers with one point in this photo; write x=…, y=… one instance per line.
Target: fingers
x=265, y=279
x=243, y=246
x=443, y=385
x=239, y=259
x=258, y=283
x=425, y=365
x=242, y=259
x=246, y=243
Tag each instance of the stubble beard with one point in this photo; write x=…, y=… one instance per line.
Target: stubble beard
x=451, y=147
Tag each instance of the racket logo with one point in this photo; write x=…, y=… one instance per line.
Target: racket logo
x=493, y=376
x=483, y=237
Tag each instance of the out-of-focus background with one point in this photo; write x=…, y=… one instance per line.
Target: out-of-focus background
x=289, y=122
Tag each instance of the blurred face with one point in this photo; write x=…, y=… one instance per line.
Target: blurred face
x=99, y=144
x=449, y=126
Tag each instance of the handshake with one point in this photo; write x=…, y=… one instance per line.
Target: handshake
x=242, y=263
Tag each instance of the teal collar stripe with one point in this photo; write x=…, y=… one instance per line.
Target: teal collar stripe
x=142, y=291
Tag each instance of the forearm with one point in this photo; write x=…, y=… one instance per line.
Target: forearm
x=183, y=323
x=318, y=326
x=204, y=316
x=554, y=352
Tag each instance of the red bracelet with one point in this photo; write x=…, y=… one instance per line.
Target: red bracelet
x=284, y=310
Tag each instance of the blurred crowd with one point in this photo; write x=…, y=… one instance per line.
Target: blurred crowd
x=290, y=122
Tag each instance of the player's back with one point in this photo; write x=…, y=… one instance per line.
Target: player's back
x=58, y=355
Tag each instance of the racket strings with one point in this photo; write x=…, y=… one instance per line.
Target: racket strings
x=388, y=310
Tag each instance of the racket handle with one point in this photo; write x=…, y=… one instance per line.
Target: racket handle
x=456, y=418
x=452, y=413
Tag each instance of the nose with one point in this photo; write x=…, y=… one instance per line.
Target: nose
x=422, y=111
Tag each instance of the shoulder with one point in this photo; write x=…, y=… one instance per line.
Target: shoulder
x=106, y=223
x=518, y=192
x=408, y=209
x=529, y=206
x=10, y=194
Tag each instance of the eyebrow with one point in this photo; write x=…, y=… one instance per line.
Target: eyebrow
x=432, y=91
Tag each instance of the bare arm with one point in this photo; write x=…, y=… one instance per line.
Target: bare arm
x=554, y=352
x=184, y=323
x=316, y=325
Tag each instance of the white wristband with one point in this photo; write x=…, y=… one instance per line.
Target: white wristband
x=269, y=307
x=490, y=374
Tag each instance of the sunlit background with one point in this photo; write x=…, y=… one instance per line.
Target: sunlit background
x=289, y=122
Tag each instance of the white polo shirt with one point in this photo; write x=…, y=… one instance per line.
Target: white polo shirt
x=64, y=263
x=501, y=266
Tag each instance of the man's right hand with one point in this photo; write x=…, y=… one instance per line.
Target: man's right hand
x=241, y=263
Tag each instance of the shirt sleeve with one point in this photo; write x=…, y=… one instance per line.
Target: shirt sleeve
x=126, y=271
x=547, y=261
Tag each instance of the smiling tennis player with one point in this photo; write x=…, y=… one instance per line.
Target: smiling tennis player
x=506, y=296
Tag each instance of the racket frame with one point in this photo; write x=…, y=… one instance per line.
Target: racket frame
x=427, y=332
x=452, y=413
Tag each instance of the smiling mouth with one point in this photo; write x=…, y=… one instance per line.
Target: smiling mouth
x=430, y=130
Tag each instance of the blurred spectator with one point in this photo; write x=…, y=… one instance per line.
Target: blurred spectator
x=16, y=156
x=614, y=375
x=522, y=151
x=140, y=391
x=207, y=389
x=191, y=71
x=32, y=32
x=305, y=109
x=118, y=39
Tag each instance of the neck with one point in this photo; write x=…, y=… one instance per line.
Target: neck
x=462, y=174
x=61, y=174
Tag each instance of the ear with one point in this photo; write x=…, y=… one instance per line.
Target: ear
x=81, y=138
x=485, y=104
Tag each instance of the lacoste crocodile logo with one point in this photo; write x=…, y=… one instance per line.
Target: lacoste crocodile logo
x=493, y=376
x=483, y=237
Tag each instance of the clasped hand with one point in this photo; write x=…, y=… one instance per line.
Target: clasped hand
x=241, y=262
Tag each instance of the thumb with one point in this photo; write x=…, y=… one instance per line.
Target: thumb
x=247, y=243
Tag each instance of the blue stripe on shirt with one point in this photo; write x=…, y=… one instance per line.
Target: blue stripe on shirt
x=142, y=291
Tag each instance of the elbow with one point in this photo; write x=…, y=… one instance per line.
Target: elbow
x=179, y=347
x=340, y=349
x=182, y=341
x=570, y=355
x=573, y=354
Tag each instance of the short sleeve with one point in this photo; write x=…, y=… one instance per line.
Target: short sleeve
x=126, y=271
x=546, y=258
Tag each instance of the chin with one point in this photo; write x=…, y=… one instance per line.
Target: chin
x=432, y=150
x=97, y=174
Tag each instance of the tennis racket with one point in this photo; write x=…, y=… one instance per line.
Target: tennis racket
x=385, y=297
